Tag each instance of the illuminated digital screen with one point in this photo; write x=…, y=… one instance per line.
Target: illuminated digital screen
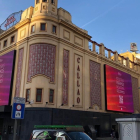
x=6, y=68
x=119, y=96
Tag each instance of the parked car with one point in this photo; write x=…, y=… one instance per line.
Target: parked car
x=59, y=132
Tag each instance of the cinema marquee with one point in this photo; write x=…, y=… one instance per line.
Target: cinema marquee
x=12, y=20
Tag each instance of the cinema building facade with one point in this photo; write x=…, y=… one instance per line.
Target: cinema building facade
x=46, y=59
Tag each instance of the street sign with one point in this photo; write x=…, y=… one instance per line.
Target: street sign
x=18, y=108
x=19, y=100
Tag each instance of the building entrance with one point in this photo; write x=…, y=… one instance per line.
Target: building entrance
x=97, y=128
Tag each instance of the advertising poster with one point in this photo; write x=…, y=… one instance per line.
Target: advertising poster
x=6, y=68
x=119, y=94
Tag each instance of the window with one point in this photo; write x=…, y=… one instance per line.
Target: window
x=52, y=1
x=38, y=95
x=27, y=95
x=66, y=137
x=32, y=28
x=37, y=1
x=54, y=29
x=78, y=136
x=12, y=39
x=51, y=97
x=5, y=43
x=43, y=27
x=44, y=0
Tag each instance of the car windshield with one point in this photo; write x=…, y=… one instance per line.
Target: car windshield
x=44, y=135
x=78, y=136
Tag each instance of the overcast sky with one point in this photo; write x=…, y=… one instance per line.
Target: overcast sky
x=116, y=23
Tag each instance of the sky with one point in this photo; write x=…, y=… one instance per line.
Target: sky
x=115, y=23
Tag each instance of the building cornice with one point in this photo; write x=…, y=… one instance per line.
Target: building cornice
x=74, y=29
x=90, y=53
x=6, y=50
x=61, y=22
x=50, y=18
x=64, y=23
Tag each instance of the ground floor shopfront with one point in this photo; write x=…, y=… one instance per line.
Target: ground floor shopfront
x=102, y=122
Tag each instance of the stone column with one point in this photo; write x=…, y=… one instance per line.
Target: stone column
x=102, y=49
x=138, y=68
x=127, y=62
x=116, y=56
x=109, y=54
x=132, y=64
x=121, y=60
x=94, y=47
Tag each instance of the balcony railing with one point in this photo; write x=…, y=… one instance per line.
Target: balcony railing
x=114, y=56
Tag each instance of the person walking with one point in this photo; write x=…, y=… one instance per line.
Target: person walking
x=117, y=135
x=113, y=133
x=0, y=136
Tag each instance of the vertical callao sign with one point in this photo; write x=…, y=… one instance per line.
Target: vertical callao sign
x=78, y=81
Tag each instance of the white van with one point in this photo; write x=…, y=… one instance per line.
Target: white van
x=59, y=132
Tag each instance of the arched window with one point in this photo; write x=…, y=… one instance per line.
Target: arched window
x=37, y=1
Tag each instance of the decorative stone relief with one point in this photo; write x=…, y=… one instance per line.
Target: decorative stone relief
x=95, y=84
x=36, y=8
x=135, y=94
x=78, y=41
x=53, y=9
x=42, y=61
x=66, y=34
x=44, y=7
x=65, y=77
x=22, y=33
x=19, y=72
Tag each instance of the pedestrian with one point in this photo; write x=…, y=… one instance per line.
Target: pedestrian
x=112, y=133
x=0, y=136
x=117, y=135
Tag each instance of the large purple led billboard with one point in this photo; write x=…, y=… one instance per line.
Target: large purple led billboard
x=6, y=71
x=118, y=90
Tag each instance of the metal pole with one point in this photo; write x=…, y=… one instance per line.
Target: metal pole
x=19, y=131
x=15, y=130
x=52, y=117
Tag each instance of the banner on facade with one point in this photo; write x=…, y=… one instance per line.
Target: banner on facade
x=119, y=96
x=6, y=77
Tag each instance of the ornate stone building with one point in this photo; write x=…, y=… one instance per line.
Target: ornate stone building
x=60, y=77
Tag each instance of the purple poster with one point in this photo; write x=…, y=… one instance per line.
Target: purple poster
x=6, y=67
x=118, y=90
